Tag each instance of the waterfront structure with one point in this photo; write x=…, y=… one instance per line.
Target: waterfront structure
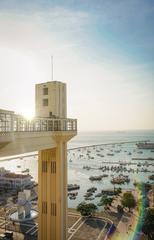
x=10, y=180
x=145, y=145
x=47, y=133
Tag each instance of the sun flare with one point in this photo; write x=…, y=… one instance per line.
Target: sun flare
x=29, y=115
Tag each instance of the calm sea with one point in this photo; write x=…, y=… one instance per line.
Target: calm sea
x=77, y=159
x=89, y=138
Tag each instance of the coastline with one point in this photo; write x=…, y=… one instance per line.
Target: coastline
x=69, y=149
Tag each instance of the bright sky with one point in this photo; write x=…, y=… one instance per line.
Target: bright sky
x=103, y=50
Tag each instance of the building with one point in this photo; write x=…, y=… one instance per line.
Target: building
x=50, y=100
x=10, y=180
x=6, y=118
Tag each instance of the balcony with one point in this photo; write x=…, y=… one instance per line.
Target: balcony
x=19, y=135
x=10, y=122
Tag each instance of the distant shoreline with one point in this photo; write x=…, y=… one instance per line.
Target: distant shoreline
x=70, y=149
x=104, y=144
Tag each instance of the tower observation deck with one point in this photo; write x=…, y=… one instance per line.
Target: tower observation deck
x=48, y=133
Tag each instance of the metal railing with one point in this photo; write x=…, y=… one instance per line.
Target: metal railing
x=16, y=123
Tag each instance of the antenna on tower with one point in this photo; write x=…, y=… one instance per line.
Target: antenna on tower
x=52, y=68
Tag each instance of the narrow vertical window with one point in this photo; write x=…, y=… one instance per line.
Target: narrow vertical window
x=53, y=167
x=45, y=102
x=45, y=91
x=44, y=166
x=44, y=207
x=53, y=209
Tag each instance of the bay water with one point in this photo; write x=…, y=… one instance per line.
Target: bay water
x=120, y=144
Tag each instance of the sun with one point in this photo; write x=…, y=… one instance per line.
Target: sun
x=28, y=114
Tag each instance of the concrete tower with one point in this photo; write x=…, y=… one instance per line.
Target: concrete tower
x=50, y=98
x=52, y=177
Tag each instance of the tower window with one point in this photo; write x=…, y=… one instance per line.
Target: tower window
x=45, y=91
x=45, y=102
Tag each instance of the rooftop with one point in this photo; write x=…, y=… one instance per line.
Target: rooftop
x=15, y=175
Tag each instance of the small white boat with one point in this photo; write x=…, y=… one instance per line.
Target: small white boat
x=26, y=170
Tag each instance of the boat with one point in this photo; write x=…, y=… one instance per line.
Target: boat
x=72, y=197
x=105, y=175
x=92, y=189
x=108, y=192
x=89, y=198
x=86, y=167
x=117, y=151
x=71, y=187
x=26, y=170
x=120, y=180
x=88, y=194
x=145, y=145
x=98, y=195
x=110, y=154
x=95, y=178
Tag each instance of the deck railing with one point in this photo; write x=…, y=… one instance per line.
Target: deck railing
x=16, y=123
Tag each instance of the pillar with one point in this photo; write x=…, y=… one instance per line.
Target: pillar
x=52, y=193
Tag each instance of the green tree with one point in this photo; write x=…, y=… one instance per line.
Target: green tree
x=128, y=200
x=86, y=209
x=106, y=201
x=148, y=225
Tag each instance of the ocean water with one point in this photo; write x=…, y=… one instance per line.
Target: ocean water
x=79, y=158
x=90, y=138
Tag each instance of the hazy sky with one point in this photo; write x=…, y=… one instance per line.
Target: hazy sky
x=103, y=50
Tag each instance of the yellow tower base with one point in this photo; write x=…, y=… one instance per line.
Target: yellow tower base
x=52, y=192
